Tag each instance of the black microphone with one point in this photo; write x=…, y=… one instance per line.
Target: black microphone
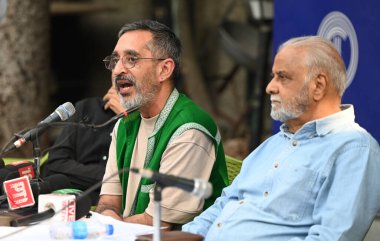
x=47, y=185
x=114, y=118
x=62, y=113
x=50, y=184
x=197, y=187
x=82, y=201
x=15, y=170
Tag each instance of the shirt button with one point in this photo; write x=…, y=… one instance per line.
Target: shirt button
x=276, y=165
x=294, y=143
x=219, y=225
x=104, y=158
x=266, y=194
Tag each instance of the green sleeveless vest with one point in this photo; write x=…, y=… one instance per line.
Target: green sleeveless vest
x=178, y=115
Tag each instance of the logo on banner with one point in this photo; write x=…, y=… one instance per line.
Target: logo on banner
x=19, y=193
x=338, y=28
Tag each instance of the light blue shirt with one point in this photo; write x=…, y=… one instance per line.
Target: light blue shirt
x=321, y=183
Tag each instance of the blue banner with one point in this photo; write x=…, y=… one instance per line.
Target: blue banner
x=353, y=26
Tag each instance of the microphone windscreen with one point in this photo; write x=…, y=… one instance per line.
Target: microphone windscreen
x=58, y=181
x=83, y=206
x=2, y=163
x=50, y=184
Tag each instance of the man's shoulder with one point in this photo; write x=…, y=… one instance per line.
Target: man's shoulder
x=189, y=110
x=360, y=136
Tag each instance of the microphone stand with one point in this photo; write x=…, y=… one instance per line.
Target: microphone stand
x=157, y=213
x=36, y=157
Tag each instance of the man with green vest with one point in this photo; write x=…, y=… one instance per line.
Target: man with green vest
x=168, y=133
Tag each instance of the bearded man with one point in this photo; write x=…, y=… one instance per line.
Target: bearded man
x=318, y=178
x=169, y=133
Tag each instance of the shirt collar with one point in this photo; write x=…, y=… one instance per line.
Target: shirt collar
x=323, y=126
x=166, y=111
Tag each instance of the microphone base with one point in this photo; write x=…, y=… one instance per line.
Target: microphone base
x=172, y=236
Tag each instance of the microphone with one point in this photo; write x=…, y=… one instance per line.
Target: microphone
x=62, y=113
x=48, y=185
x=82, y=208
x=197, y=187
x=114, y=118
x=15, y=170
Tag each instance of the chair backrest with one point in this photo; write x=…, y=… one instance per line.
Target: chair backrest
x=233, y=167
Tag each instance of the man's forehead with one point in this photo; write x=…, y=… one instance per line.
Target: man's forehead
x=133, y=42
x=139, y=37
x=290, y=58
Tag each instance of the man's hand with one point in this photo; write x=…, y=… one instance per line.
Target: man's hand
x=112, y=101
x=146, y=219
x=110, y=205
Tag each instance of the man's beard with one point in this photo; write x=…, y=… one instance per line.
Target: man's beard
x=145, y=92
x=137, y=101
x=293, y=108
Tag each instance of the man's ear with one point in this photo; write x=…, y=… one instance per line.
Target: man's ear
x=165, y=70
x=320, y=87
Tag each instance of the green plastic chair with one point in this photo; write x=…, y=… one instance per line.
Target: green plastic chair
x=8, y=160
x=233, y=167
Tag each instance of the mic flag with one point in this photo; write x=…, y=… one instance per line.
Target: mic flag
x=63, y=202
x=83, y=201
x=19, y=193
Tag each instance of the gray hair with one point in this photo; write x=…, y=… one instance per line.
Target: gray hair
x=165, y=43
x=321, y=56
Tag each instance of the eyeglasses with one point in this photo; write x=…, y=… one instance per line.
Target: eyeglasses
x=128, y=61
